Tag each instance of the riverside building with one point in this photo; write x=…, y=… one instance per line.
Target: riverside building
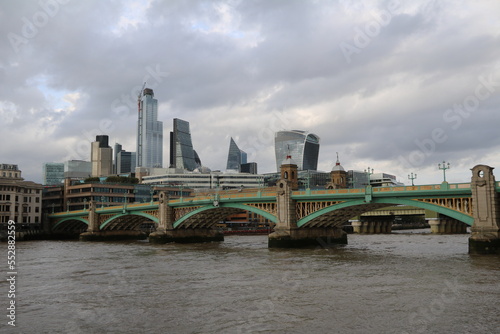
x=20, y=201
x=76, y=194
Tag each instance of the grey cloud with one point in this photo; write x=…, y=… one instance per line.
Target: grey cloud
x=225, y=82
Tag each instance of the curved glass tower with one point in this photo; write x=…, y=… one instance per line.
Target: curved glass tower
x=182, y=154
x=302, y=146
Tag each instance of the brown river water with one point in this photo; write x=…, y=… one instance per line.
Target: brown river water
x=396, y=283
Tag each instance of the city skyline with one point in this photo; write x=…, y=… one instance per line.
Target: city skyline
x=398, y=87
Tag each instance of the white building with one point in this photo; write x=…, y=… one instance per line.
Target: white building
x=384, y=180
x=20, y=201
x=199, y=179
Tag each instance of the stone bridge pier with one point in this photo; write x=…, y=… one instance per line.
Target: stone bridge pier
x=446, y=226
x=371, y=227
x=286, y=233
x=485, y=232
x=166, y=232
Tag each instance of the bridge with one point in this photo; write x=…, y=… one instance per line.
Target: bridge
x=299, y=217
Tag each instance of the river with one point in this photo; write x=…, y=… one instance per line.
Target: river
x=397, y=283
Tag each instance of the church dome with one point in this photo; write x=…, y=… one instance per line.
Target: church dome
x=338, y=167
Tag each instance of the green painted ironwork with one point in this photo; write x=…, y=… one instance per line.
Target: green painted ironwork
x=405, y=195
x=442, y=210
x=142, y=214
x=68, y=219
x=263, y=213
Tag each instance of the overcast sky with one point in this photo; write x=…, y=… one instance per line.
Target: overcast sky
x=398, y=86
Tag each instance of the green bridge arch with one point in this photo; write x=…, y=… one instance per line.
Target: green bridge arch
x=138, y=213
x=68, y=219
x=432, y=207
x=263, y=213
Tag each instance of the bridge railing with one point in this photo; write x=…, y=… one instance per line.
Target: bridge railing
x=428, y=187
x=229, y=194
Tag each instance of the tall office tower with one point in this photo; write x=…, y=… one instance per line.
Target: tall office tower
x=149, y=132
x=117, y=149
x=125, y=162
x=302, y=146
x=53, y=173
x=182, y=155
x=235, y=157
x=101, y=157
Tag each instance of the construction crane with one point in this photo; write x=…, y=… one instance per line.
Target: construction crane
x=139, y=97
x=140, y=130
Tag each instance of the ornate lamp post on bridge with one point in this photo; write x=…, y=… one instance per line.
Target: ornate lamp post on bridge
x=125, y=201
x=152, y=191
x=444, y=168
x=368, y=173
x=413, y=177
x=181, y=187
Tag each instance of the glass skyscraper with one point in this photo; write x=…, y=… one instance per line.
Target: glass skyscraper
x=53, y=173
x=235, y=157
x=149, y=132
x=302, y=146
x=125, y=162
x=182, y=154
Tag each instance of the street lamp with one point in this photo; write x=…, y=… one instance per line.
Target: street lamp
x=152, y=191
x=413, y=177
x=181, y=187
x=102, y=202
x=125, y=201
x=84, y=204
x=444, y=167
x=368, y=173
x=308, y=178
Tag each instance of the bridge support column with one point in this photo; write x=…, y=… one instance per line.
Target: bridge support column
x=446, y=226
x=286, y=233
x=371, y=227
x=93, y=228
x=166, y=233
x=358, y=226
x=485, y=236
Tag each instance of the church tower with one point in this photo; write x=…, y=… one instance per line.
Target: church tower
x=289, y=172
x=338, y=176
